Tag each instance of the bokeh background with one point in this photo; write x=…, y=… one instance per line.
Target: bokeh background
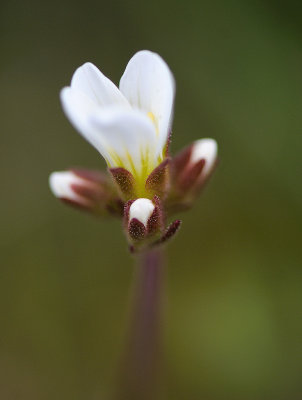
x=233, y=304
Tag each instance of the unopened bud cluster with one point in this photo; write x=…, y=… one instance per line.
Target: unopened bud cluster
x=174, y=185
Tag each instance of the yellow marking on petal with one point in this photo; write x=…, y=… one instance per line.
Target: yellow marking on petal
x=145, y=162
x=129, y=158
x=154, y=120
x=108, y=163
x=117, y=161
x=151, y=116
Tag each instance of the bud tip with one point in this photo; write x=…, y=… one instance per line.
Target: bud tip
x=204, y=149
x=141, y=209
x=60, y=184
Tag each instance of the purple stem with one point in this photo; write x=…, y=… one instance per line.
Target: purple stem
x=139, y=373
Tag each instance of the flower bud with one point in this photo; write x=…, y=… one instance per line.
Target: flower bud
x=81, y=188
x=191, y=169
x=143, y=219
x=141, y=209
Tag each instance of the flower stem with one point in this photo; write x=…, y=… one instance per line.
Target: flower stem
x=139, y=374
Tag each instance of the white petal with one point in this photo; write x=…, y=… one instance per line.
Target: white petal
x=60, y=185
x=78, y=108
x=126, y=139
x=89, y=80
x=142, y=210
x=148, y=84
x=205, y=149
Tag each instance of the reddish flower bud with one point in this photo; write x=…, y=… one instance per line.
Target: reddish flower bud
x=190, y=170
x=84, y=189
x=195, y=163
x=143, y=220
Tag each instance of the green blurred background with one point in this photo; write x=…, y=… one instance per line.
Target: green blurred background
x=233, y=314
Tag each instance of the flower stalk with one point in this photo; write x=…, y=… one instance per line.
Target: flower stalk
x=140, y=367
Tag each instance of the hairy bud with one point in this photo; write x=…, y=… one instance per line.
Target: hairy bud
x=84, y=189
x=143, y=220
x=191, y=169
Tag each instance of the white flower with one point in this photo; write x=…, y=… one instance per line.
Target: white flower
x=204, y=149
x=129, y=126
x=141, y=209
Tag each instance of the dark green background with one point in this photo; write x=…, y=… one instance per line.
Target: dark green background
x=233, y=310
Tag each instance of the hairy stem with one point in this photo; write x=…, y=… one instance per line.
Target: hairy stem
x=139, y=373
